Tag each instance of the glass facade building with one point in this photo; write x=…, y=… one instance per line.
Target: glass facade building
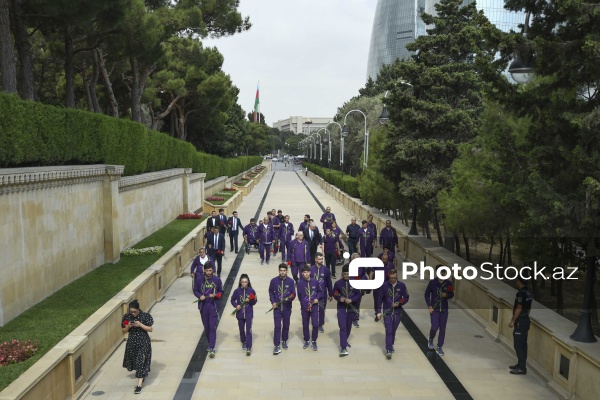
x=396, y=24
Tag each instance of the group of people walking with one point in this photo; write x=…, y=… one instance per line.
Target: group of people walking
x=311, y=257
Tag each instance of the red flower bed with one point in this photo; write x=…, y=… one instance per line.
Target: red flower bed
x=230, y=189
x=190, y=216
x=215, y=198
x=16, y=351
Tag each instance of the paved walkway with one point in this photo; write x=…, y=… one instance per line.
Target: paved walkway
x=479, y=363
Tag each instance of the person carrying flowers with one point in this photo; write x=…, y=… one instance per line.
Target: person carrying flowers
x=309, y=292
x=282, y=291
x=347, y=297
x=436, y=296
x=244, y=299
x=209, y=289
x=392, y=296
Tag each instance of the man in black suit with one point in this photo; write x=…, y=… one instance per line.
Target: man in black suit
x=314, y=238
x=212, y=221
x=222, y=218
x=234, y=224
x=215, y=243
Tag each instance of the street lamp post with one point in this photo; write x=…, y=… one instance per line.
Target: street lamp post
x=329, y=142
x=341, y=146
x=320, y=147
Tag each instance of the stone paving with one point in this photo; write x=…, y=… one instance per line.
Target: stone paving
x=478, y=362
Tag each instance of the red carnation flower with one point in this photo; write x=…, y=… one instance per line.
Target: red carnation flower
x=336, y=293
x=251, y=297
x=292, y=296
x=220, y=252
x=450, y=288
x=289, y=263
x=126, y=322
x=218, y=295
x=402, y=301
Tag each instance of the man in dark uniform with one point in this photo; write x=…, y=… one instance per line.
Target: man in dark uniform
x=222, y=221
x=314, y=238
x=520, y=323
x=353, y=234
x=212, y=221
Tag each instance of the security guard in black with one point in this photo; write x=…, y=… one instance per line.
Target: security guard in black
x=520, y=323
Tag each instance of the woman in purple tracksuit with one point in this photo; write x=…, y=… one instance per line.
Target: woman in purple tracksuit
x=244, y=299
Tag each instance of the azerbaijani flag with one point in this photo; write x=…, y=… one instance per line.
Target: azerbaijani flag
x=256, y=106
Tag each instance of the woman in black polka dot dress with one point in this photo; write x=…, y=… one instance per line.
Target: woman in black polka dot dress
x=138, y=351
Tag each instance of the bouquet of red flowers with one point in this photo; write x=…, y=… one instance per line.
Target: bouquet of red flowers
x=220, y=252
x=244, y=303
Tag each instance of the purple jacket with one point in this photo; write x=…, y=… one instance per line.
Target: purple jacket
x=433, y=293
x=237, y=299
x=323, y=276
x=203, y=286
x=280, y=289
x=343, y=288
x=303, y=226
x=373, y=227
x=299, y=251
x=265, y=233
x=330, y=243
x=251, y=232
x=327, y=219
x=366, y=238
x=198, y=265
x=390, y=294
x=391, y=256
x=286, y=234
x=308, y=291
x=388, y=238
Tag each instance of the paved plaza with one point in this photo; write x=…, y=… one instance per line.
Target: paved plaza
x=474, y=366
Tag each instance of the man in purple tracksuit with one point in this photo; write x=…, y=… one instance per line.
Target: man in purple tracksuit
x=323, y=276
x=304, y=224
x=299, y=254
x=373, y=226
x=327, y=218
x=436, y=296
x=198, y=263
x=265, y=239
x=366, y=240
x=209, y=289
x=282, y=291
x=347, y=298
x=309, y=292
x=251, y=235
x=362, y=274
x=243, y=300
x=391, y=256
x=286, y=236
x=392, y=296
x=331, y=247
x=387, y=267
x=389, y=237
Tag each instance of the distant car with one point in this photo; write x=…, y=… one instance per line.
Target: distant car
x=275, y=159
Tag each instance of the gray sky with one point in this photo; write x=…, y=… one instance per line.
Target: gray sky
x=310, y=56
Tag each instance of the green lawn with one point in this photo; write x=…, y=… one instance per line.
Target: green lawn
x=54, y=318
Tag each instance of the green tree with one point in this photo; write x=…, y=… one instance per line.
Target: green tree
x=436, y=101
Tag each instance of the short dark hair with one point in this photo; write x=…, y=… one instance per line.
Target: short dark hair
x=283, y=265
x=346, y=268
x=220, y=209
x=318, y=254
x=252, y=220
x=235, y=212
x=208, y=265
x=279, y=211
x=364, y=221
x=523, y=277
x=307, y=216
x=306, y=268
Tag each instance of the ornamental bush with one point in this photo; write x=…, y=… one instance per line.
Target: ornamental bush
x=35, y=134
x=142, y=252
x=347, y=183
x=16, y=351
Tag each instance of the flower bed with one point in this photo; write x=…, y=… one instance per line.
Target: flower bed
x=142, y=252
x=230, y=190
x=190, y=216
x=215, y=198
x=242, y=182
x=16, y=351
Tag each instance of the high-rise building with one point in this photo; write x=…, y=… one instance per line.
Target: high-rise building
x=396, y=24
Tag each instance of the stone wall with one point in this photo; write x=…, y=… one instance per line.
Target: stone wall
x=58, y=223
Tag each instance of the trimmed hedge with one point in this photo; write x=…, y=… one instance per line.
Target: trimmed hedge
x=35, y=134
x=347, y=183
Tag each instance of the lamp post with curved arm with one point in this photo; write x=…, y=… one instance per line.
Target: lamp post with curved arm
x=320, y=146
x=329, y=143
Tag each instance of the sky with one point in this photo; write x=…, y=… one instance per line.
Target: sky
x=310, y=56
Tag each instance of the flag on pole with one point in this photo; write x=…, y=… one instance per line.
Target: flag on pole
x=256, y=107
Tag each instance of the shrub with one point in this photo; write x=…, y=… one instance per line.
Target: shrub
x=16, y=351
x=142, y=252
x=35, y=134
x=215, y=198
